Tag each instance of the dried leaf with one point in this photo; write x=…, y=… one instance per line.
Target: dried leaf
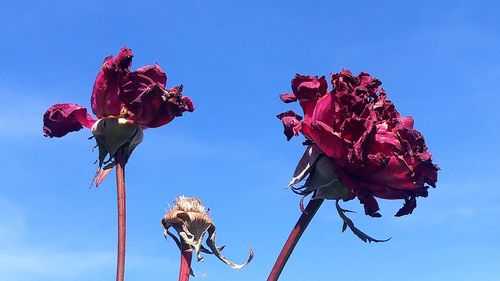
x=348, y=223
x=211, y=244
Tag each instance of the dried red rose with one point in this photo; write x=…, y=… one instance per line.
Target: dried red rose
x=376, y=152
x=124, y=103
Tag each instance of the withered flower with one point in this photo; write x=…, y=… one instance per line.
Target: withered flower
x=192, y=221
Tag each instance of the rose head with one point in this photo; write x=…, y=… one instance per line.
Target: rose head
x=125, y=103
x=374, y=151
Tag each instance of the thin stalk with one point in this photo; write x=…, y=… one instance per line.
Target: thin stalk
x=120, y=191
x=293, y=238
x=186, y=256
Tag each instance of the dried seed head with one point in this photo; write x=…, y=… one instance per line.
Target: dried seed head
x=191, y=220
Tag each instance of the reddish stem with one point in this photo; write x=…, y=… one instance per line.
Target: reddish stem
x=293, y=238
x=120, y=190
x=186, y=256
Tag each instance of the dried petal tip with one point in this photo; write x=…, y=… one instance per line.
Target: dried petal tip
x=191, y=221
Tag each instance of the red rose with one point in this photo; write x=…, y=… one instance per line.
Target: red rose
x=124, y=103
x=376, y=152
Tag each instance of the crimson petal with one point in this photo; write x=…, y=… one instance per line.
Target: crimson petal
x=291, y=123
x=63, y=118
x=155, y=73
x=408, y=207
x=104, y=100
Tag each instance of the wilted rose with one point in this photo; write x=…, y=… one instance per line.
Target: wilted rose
x=376, y=152
x=125, y=103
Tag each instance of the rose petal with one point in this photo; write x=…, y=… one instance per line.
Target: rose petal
x=63, y=118
x=291, y=123
x=188, y=104
x=173, y=105
x=307, y=89
x=370, y=204
x=104, y=100
x=134, y=86
x=408, y=207
x=288, y=98
x=155, y=73
x=329, y=141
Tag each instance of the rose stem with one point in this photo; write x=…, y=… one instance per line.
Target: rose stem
x=186, y=255
x=120, y=190
x=293, y=238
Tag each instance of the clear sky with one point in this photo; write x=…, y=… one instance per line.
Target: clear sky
x=439, y=61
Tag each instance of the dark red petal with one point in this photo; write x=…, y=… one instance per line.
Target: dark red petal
x=426, y=171
x=104, y=100
x=408, y=207
x=143, y=106
x=135, y=85
x=330, y=142
x=173, y=105
x=63, y=118
x=188, y=104
x=370, y=204
x=397, y=174
x=155, y=73
x=324, y=110
x=124, y=58
x=288, y=98
x=291, y=123
x=308, y=89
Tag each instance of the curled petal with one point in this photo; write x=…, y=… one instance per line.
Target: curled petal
x=134, y=86
x=63, y=118
x=155, y=73
x=152, y=106
x=104, y=100
x=124, y=59
x=329, y=141
x=307, y=89
x=408, y=207
x=173, y=105
x=370, y=204
x=291, y=123
x=142, y=99
x=188, y=104
x=288, y=98
x=216, y=251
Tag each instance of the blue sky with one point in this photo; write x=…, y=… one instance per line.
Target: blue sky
x=438, y=60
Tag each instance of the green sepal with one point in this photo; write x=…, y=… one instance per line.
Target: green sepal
x=112, y=134
x=324, y=180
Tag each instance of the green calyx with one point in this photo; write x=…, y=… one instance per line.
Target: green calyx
x=325, y=181
x=113, y=133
